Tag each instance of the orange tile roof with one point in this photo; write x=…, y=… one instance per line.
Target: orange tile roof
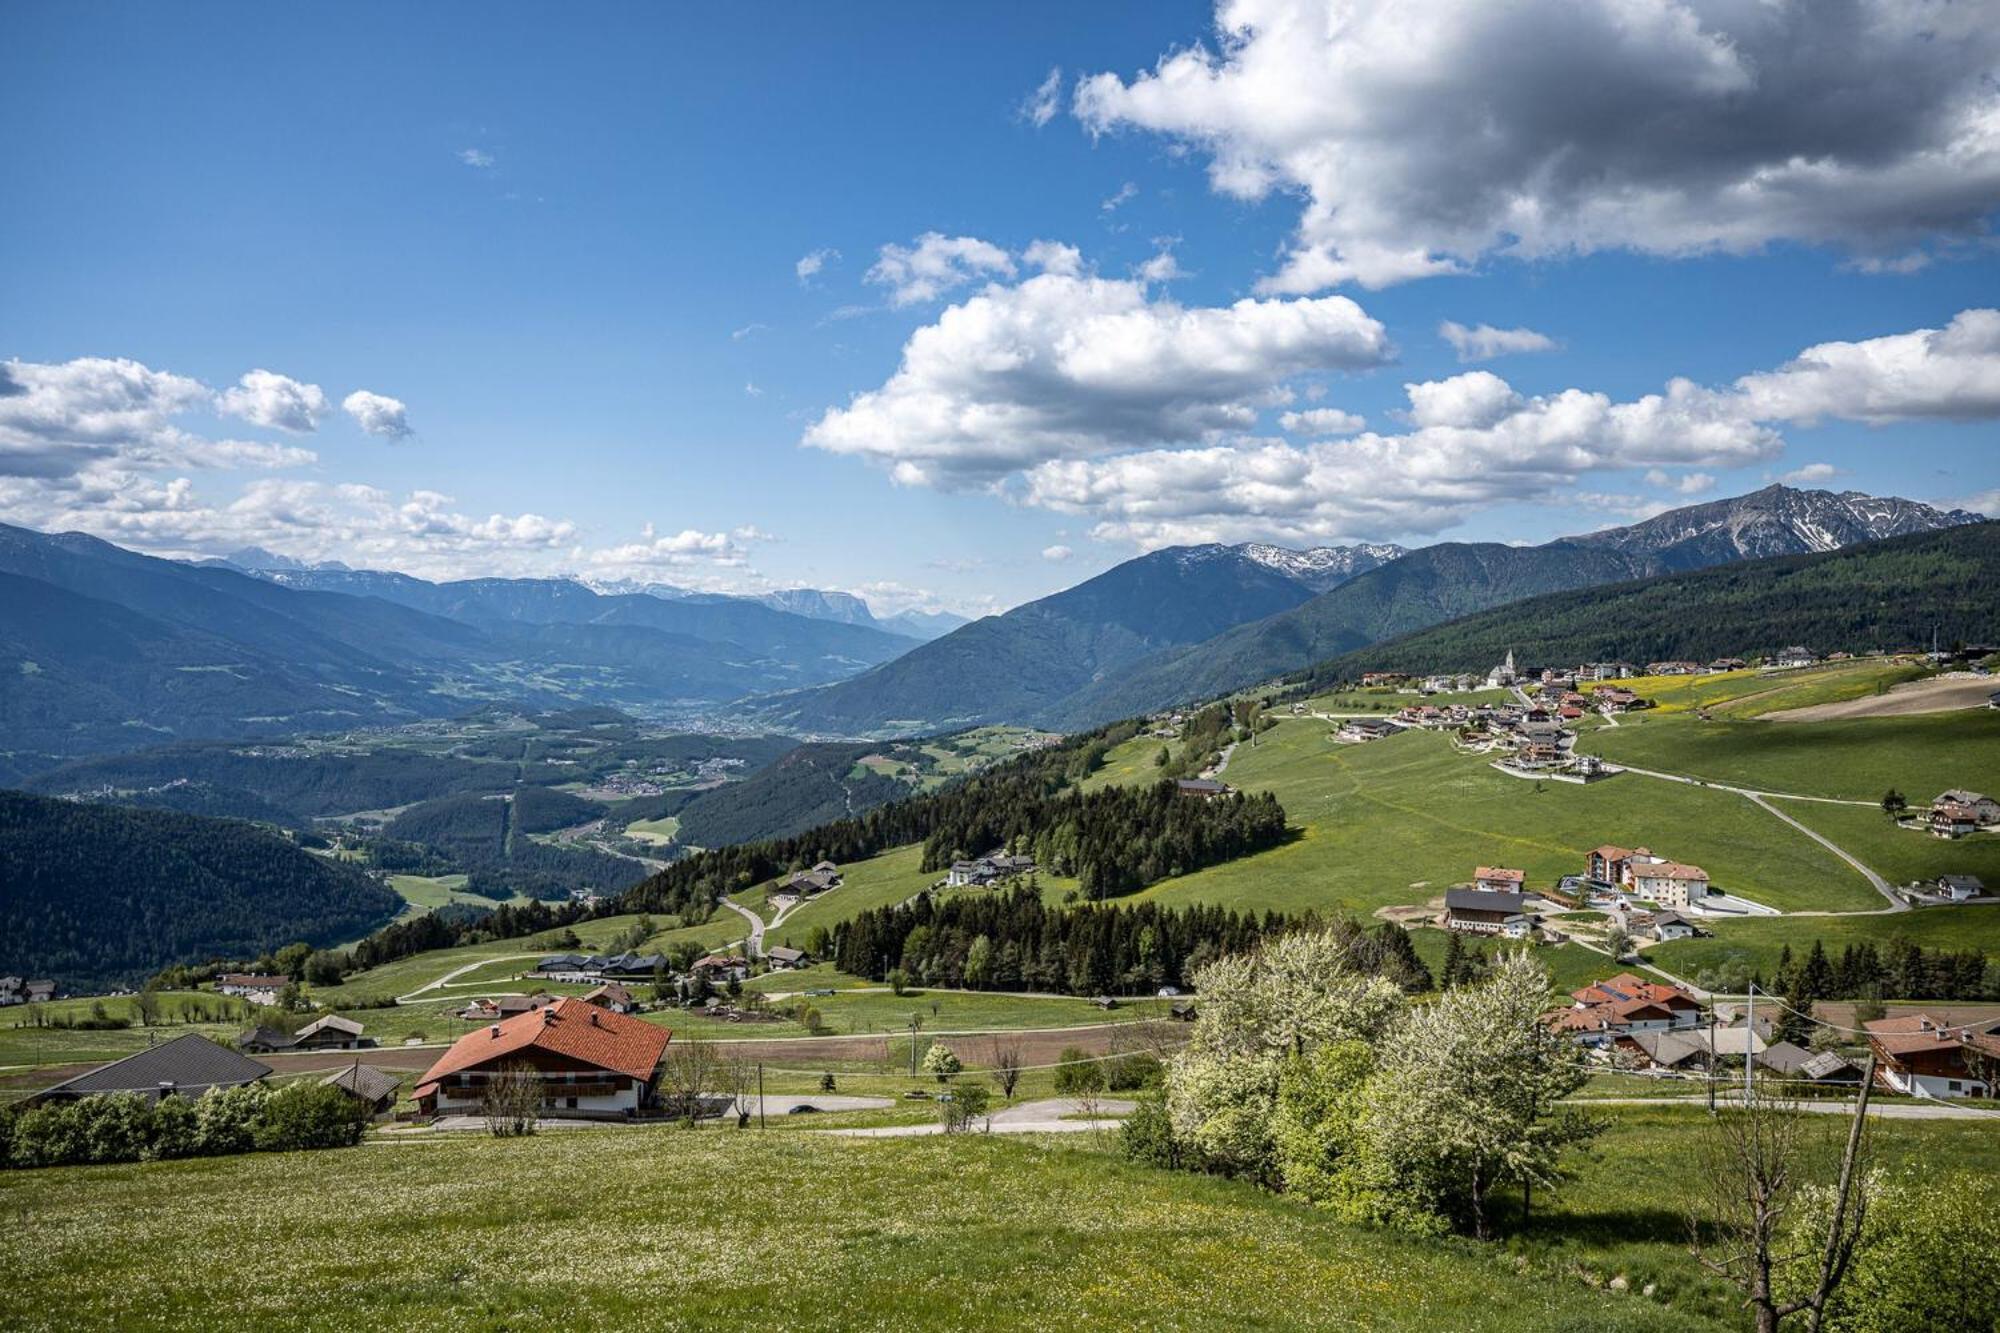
x=569, y=1027
x=1920, y=1032
x=1500, y=873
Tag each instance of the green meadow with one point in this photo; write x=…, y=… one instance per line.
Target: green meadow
x=1756, y=944
x=818, y=1231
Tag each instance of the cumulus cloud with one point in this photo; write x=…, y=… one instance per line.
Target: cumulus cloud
x=1039, y=107
x=477, y=158
x=1062, y=366
x=1162, y=267
x=1322, y=421
x=1425, y=137
x=1057, y=554
x=1812, y=474
x=1952, y=373
x=658, y=551
x=58, y=419
x=267, y=399
x=1483, y=342
x=1475, y=441
x=812, y=265
x=936, y=264
x=378, y=414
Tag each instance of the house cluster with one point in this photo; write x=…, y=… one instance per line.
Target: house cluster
x=331, y=1033
x=1649, y=1026
x=806, y=883
x=1958, y=812
x=25, y=990
x=1927, y=1056
x=993, y=868
x=586, y=1061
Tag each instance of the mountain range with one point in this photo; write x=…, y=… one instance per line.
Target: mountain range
x=104, y=650
x=1193, y=622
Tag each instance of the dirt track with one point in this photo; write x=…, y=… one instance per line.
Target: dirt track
x=1939, y=695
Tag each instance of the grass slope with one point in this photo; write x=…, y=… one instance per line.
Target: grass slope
x=1397, y=821
x=1756, y=944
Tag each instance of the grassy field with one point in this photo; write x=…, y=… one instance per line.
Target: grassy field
x=1749, y=693
x=1570, y=965
x=819, y=1231
x=1920, y=755
x=880, y=881
x=660, y=831
x=1901, y=855
x=1129, y=763
x=1755, y=944
x=1397, y=821
x=1393, y=701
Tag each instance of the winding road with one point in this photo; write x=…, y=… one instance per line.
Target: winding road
x=754, y=946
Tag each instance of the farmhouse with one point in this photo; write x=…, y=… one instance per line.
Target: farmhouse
x=1959, y=888
x=504, y=1006
x=587, y=1060
x=1366, y=729
x=1204, y=788
x=720, y=967
x=805, y=883
x=783, y=958
x=251, y=986
x=1671, y=926
x=1985, y=810
x=1654, y=878
x=1926, y=1057
x=1794, y=656
x=186, y=1066
x=20, y=990
x=989, y=869
x=1497, y=879
x=1485, y=913
x=1949, y=819
x=1683, y=1010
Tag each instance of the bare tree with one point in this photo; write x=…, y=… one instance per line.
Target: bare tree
x=512, y=1100
x=1755, y=1164
x=691, y=1071
x=734, y=1079
x=1006, y=1066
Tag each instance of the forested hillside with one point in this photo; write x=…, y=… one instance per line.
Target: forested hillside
x=1884, y=595
x=98, y=895
x=1114, y=840
x=813, y=785
x=487, y=837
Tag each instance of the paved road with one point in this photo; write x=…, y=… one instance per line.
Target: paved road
x=755, y=946
x=1881, y=885
x=1886, y=1110
x=1039, y=1117
x=457, y=972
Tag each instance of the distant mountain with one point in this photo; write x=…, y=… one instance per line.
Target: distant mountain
x=1439, y=583
x=812, y=785
x=1876, y=595
x=1024, y=664
x=924, y=625
x=103, y=649
x=1774, y=521
x=1323, y=568
x=100, y=895
x=815, y=604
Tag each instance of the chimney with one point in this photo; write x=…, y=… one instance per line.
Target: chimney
x=495, y=1030
x=593, y=1017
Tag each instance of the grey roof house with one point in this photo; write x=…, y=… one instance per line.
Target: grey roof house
x=186, y=1066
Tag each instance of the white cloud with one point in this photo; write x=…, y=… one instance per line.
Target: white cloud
x=1689, y=483
x=1951, y=373
x=378, y=414
x=1125, y=195
x=1039, y=107
x=266, y=399
x=58, y=418
x=936, y=264
x=1476, y=441
x=476, y=158
x=812, y=265
x=1812, y=474
x=1054, y=257
x=1057, y=553
x=1483, y=342
x=1065, y=366
x=1425, y=137
x=1322, y=421
x=1162, y=267
x=656, y=551
x=751, y=390
x=1986, y=502
x=738, y=335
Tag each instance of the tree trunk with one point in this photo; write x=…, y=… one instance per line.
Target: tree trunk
x=1480, y=1231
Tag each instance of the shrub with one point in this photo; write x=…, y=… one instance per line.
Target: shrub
x=1078, y=1075
x=1131, y=1072
x=226, y=1119
x=962, y=1105
x=176, y=1130
x=1147, y=1136
x=942, y=1061
x=309, y=1115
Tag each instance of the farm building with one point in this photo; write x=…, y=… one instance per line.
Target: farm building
x=1927, y=1057
x=588, y=1061
x=186, y=1066
x=1480, y=912
x=368, y=1085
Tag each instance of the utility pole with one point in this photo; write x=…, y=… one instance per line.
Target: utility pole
x=915, y=1023
x=760, y=1096
x=1711, y=1059
x=1749, y=1035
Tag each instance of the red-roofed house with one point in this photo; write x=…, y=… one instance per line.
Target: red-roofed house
x=1497, y=879
x=589, y=1060
x=1624, y=1006
x=1928, y=1057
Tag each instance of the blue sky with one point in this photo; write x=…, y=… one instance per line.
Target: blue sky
x=570, y=251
